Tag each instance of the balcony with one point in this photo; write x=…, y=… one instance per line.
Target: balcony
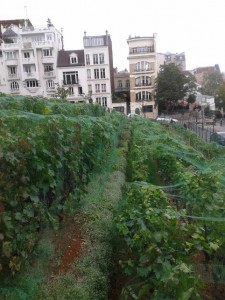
x=15, y=91
x=28, y=60
x=43, y=44
x=29, y=75
x=70, y=83
x=147, y=70
x=49, y=74
x=11, y=62
x=48, y=59
x=10, y=46
x=142, y=50
x=143, y=84
x=13, y=76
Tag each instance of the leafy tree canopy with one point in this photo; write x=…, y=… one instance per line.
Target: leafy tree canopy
x=172, y=85
x=220, y=97
x=211, y=83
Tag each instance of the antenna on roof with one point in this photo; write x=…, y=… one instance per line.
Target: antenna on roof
x=26, y=15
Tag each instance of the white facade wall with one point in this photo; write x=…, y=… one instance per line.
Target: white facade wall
x=75, y=95
x=25, y=61
x=98, y=96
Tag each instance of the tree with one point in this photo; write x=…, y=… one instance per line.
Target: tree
x=62, y=92
x=220, y=97
x=172, y=85
x=211, y=83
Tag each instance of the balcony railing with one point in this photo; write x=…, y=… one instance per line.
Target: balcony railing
x=13, y=76
x=143, y=70
x=142, y=50
x=70, y=83
x=49, y=74
x=11, y=62
x=14, y=90
x=143, y=84
x=7, y=46
x=28, y=60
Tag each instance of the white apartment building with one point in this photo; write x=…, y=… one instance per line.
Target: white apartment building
x=28, y=59
x=33, y=62
x=143, y=71
x=99, y=68
x=72, y=75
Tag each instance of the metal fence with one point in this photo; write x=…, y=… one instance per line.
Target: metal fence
x=201, y=131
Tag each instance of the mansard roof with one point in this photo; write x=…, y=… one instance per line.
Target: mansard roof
x=63, y=59
x=16, y=22
x=9, y=33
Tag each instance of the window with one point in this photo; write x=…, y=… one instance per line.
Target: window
x=89, y=88
x=147, y=108
x=12, y=71
x=50, y=84
x=103, y=88
x=95, y=59
x=27, y=69
x=47, y=52
x=119, y=109
x=143, y=81
x=73, y=58
x=71, y=90
x=14, y=85
x=101, y=58
x=120, y=84
x=87, y=59
x=97, y=88
x=26, y=55
x=10, y=55
x=49, y=37
x=88, y=74
x=32, y=83
x=80, y=91
x=142, y=66
x=143, y=96
x=96, y=73
x=70, y=78
x=93, y=41
x=127, y=83
x=48, y=68
x=102, y=72
x=98, y=100
x=104, y=101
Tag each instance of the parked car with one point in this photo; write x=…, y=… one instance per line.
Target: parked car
x=166, y=119
x=218, y=137
x=133, y=116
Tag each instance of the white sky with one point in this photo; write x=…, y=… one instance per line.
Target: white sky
x=196, y=27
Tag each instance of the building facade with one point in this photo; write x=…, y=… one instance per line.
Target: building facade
x=143, y=71
x=33, y=62
x=72, y=75
x=29, y=59
x=121, y=96
x=178, y=59
x=98, y=58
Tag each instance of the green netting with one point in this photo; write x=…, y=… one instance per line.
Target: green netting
x=211, y=273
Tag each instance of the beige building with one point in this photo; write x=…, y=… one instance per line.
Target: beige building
x=121, y=99
x=143, y=72
x=201, y=72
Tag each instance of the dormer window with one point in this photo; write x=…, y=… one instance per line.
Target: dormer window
x=73, y=59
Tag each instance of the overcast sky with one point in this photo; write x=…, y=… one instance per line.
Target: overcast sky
x=196, y=27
